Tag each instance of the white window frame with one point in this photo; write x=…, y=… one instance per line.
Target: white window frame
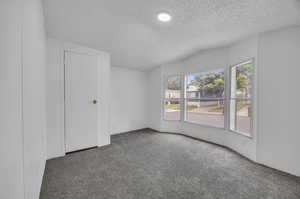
x=165, y=81
x=251, y=99
x=227, y=98
x=185, y=99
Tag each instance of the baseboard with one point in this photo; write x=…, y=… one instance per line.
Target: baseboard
x=134, y=131
x=150, y=129
x=86, y=149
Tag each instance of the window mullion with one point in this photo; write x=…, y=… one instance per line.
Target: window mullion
x=182, y=96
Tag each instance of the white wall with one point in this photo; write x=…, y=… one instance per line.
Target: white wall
x=128, y=100
x=275, y=139
x=154, y=98
x=55, y=95
x=11, y=138
x=279, y=134
x=22, y=116
x=34, y=125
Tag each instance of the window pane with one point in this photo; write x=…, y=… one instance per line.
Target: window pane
x=205, y=85
x=240, y=115
x=173, y=87
x=172, y=110
x=206, y=112
x=241, y=84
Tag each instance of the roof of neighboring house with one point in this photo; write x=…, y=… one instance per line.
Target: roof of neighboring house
x=192, y=88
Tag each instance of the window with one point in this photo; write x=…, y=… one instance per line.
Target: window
x=241, y=86
x=204, y=98
x=201, y=99
x=172, y=100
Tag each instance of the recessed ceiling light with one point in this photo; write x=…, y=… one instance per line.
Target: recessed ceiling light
x=164, y=17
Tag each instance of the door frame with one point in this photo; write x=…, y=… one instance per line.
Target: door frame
x=103, y=68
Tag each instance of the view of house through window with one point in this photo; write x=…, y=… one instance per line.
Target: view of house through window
x=241, y=97
x=172, y=100
x=204, y=97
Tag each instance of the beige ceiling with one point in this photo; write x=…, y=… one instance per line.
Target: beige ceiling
x=128, y=29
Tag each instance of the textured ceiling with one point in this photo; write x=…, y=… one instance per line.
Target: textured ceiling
x=128, y=29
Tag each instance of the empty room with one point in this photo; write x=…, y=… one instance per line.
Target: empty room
x=149, y=99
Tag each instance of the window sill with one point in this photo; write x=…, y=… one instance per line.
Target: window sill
x=164, y=120
x=203, y=125
x=241, y=133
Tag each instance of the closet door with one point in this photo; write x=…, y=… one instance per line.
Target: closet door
x=81, y=100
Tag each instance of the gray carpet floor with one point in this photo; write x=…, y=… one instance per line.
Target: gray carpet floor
x=146, y=165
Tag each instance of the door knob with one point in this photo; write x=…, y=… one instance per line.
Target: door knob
x=94, y=101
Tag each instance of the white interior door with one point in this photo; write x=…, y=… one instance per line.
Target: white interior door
x=81, y=101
